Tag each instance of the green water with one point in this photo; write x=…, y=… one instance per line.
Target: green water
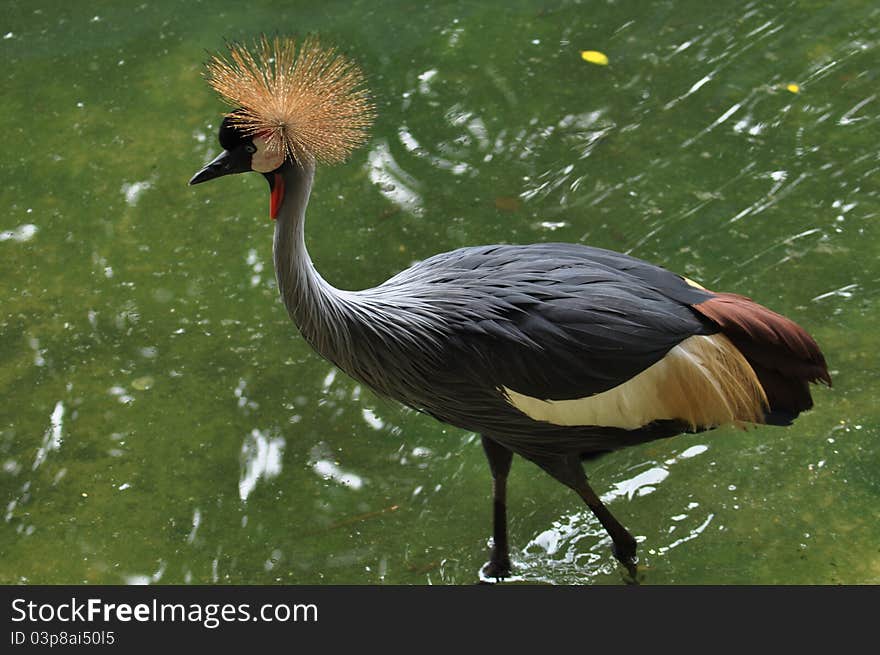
x=162, y=420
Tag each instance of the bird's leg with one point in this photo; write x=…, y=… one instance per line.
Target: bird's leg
x=624, y=544
x=570, y=472
x=500, y=459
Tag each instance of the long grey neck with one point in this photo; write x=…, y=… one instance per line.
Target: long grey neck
x=359, y=331
x=317, y=308
x=370, y=334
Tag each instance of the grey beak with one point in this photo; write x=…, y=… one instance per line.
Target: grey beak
x=226, y=163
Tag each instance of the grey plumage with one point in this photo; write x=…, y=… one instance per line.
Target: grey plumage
x=456, y=334
x=554, y=321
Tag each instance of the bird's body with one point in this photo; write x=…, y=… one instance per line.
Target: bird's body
x=556, y=352
x=465, y=335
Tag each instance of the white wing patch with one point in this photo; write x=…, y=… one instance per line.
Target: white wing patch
x=704, y=381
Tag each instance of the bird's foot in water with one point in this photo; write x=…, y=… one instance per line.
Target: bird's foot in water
x=626, y=555
x=496, y=568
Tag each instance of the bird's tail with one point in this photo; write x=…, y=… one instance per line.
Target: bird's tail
x=783, y=355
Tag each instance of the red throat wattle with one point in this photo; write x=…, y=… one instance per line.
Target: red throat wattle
x=277, y=196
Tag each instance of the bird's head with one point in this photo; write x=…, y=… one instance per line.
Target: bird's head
x=293, y=105
x=243, y=153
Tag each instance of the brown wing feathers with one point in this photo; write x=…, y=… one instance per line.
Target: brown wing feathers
x=784, y=356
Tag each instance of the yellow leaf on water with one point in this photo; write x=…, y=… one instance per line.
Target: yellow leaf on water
x=793, y=88
x=594, y=57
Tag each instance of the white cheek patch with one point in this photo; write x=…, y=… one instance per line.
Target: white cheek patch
x=704, y=381
x=265, y=160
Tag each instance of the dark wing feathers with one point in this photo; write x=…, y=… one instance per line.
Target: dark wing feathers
x=783, y=355
x=556, y=321
x=745, y=320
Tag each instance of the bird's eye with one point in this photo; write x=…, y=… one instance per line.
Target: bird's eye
x=250, y=148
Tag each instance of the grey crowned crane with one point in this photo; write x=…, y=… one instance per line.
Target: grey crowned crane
x=555, y=352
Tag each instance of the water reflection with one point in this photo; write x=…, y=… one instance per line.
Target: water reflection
x=21, y=234
x=134, y=190
x=693, y=534
x=39, y=359
x=371, y=419
x=640, y=485
x=393, y=182
x=146, y=578
x=196, y=522
x=845, y=292
x=261, y=457
x=51, y=442
x=848, y=117
x=328, y=469
x=52, y=436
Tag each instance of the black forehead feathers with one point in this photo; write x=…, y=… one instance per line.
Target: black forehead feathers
x=230, y=136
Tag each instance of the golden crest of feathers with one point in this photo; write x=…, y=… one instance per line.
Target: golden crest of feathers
x=309, y=102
